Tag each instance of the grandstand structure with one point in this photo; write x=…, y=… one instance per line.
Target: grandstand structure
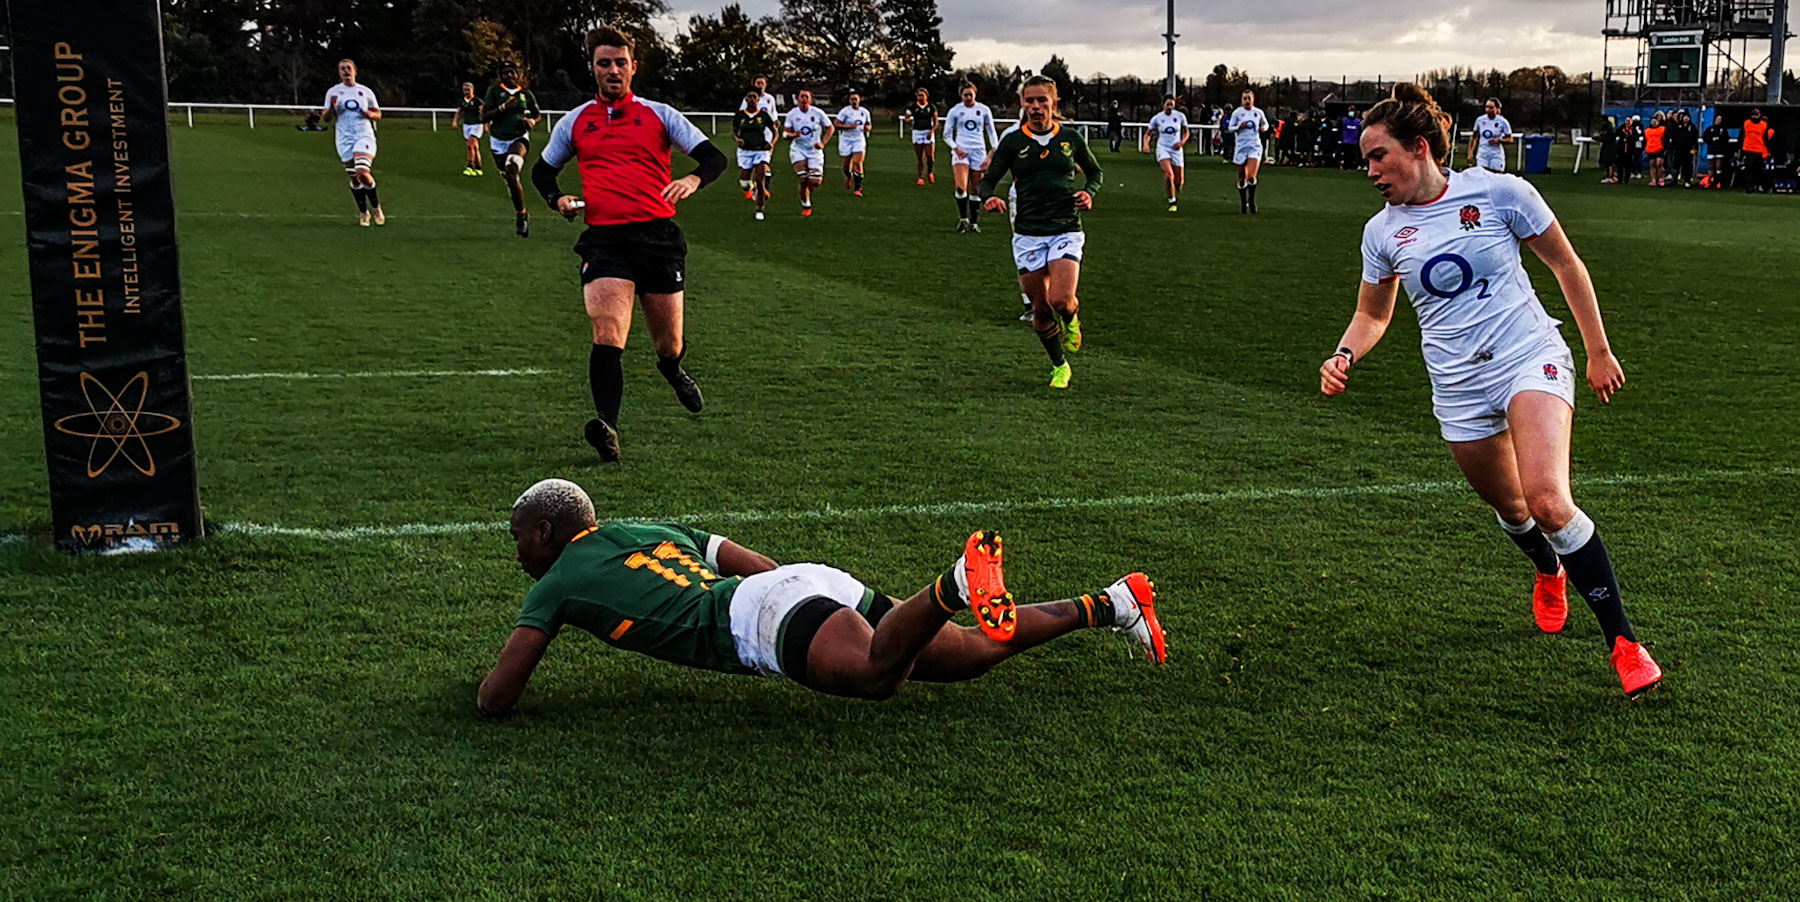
x=1695, y=52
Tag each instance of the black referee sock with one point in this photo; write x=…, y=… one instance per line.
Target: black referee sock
x=670, y=367
x=362, y=203
x=1590, y=570
x=606, y=379
x=1051, y=336
x=1532, y=541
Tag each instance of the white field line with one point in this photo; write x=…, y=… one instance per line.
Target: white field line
x=971, y=508
x=381, y=374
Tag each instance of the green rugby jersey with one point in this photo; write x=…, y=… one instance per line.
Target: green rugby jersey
x=1043, y=169
x=924, y=116
x=750, y=126
x=642, y=588
x=509, y=125
x=470, y=111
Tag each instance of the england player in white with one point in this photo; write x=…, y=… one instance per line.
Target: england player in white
x=1169, y=130
x=1487, y=146
x=1502, y=378
x=969, y=130
x=807, y=128
x=1247, y=126
x=853, y=141
x=354, y=110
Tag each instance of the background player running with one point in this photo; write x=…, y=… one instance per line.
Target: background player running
x=1247, y=126
x=1487, y=146
x=354, y=111
x=969, y=130
x=1169, y=129
x=853, y=141
x=750, y=129
x=1503, y=380
x=620, y=143
x=700, y=600
x=922, y=118
x=468, y=118
x=511, y=112
x=807, y=128
x=1042, y=158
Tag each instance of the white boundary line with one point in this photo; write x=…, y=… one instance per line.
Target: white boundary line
x=968, y=508
x=384, y=374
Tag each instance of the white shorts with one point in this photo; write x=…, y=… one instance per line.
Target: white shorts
x=1246, y=154
x=351, y=147
x=848, y=144
x=765, y=602
x=814, y=158
x=472, y=131
x=921, y=137
x=501, y=145
x=976, y=159
x=1475, y=408
x=1034, y=252
x=748, y=159
x=1488, y=156
x=1173, y=155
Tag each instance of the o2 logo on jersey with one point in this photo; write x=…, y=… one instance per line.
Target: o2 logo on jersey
x=352, y=105
x=1471, y=218
x=970, y=125
x=1465, y=277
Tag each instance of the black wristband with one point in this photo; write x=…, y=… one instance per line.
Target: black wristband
x=1348, y=355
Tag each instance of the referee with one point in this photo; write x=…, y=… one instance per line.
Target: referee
x=632, y=247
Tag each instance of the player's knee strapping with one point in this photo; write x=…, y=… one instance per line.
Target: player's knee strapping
x=514, y=163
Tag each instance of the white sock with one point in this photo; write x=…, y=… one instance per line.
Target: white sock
x=1517, y=529
x=1570, y=538
x=962, y=578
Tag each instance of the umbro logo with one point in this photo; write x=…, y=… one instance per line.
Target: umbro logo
x=1406, y=236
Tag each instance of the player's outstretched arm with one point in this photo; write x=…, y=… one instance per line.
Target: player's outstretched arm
x=1605, y=375
x=1374, y=310
x=501, y=691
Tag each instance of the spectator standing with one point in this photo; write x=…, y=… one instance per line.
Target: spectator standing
x=1718, y=153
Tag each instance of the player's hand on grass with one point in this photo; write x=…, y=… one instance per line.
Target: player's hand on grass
x=1084, y=200
x=1605, y=375
x=568, y=205
x=994, y=205
x=1334, y=375
x=681, y=188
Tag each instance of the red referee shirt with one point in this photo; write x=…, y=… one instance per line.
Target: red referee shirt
x=622, y=152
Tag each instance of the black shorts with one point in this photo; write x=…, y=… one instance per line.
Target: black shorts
x=651, y=255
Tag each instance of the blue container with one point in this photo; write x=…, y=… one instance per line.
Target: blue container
x=1537, y=152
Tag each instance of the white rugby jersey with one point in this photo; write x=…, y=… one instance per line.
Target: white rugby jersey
x=968, y=126
x=1249, y=137
x=1487, y=127
x=1458, y=258
x=352, y=103
x=1168, y=128
x=766, y=103
x=810, y=123
x=853, y=115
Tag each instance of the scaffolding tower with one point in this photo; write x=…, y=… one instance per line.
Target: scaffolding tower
x=1731, y=47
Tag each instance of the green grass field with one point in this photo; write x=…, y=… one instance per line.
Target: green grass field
x=1357, y=702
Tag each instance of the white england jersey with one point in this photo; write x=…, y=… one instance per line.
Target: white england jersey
x=1487, y=128
x=1168, y=128
x=853, y=116
x=810, y=123
x=353, y=103
x=766, y=103
x=969, y=127
x=1247, y=138
x=1458, y=258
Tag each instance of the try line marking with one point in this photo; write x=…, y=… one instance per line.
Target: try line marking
x=968, y=508
x=382, y=374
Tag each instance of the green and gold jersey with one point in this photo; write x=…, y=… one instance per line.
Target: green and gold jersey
x=1043, y=169
x=469, y=111
x=509, y=125
x=643, y=588
x=753, y=127
x=923, y=116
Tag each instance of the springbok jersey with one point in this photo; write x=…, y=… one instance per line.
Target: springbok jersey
x=353, y=103
x=968, y=126
x=1458, y=258
x=1247, y=138
x=1168, y=128
x=810, y=123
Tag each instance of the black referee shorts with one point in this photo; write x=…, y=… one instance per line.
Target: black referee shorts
x=651, y=255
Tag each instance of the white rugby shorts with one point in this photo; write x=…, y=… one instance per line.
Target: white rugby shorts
x=976, y=159
x=1246, y=154
x=1034, y=252
x=472, y=131
x=921, y=137
x=351, y=146
x=501, y=145
x=852, y=143
x=763, y=604
x=749, y=159
x=1172, y=154
x=1475, y=407
x=1488, y=156
x=814, y=158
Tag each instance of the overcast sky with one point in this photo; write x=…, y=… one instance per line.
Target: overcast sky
x=1322, y=38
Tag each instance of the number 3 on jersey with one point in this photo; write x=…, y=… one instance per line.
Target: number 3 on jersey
x=1465, y=278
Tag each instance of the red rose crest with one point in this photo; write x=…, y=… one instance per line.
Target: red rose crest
x=1471, y=217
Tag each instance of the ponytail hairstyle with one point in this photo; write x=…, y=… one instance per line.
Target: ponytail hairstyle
x=1411, y=116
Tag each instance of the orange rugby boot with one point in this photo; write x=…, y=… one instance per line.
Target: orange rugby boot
x=992, y=605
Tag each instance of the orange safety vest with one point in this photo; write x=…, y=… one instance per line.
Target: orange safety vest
x=1756, y=135
x=1653, y=139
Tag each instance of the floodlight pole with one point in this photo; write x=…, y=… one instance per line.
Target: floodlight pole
x=1778, y=26
x=1169, y=35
